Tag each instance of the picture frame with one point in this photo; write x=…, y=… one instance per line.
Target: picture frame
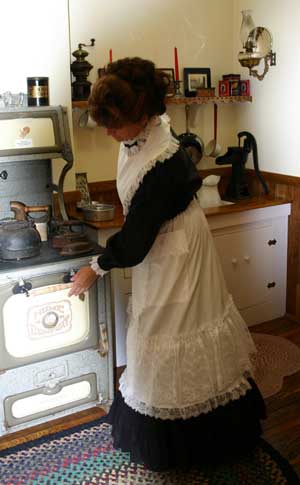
x=195, y=78
x=170, y=72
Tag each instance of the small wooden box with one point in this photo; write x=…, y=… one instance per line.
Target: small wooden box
x=206, y=92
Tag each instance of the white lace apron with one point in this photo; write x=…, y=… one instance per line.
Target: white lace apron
x=188, y=349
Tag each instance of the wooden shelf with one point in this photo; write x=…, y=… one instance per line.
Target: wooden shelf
x=80, y=104
x=210, y=99
x=184, y=100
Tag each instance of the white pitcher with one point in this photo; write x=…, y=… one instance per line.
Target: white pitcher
x=208, y=194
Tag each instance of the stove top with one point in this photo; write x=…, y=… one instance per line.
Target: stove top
x=47, y=255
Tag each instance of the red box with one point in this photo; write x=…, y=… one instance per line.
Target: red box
x=245, y=87
x=234, y=87
x=224, y=88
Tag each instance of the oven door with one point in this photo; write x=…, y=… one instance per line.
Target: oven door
x=44, y=322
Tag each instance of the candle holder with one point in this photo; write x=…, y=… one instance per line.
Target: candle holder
x=177, y=89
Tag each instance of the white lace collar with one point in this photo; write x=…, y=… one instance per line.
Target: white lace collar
x=159, y=145
x=133, y=146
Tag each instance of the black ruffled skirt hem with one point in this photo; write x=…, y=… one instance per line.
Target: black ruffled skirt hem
x=218, y=436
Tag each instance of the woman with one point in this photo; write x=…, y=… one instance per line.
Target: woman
x=187, y=395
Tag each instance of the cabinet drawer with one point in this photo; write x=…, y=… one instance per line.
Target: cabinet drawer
x=248, y=264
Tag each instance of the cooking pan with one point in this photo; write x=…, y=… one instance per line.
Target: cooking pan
x=98, y=212
x=190, y=141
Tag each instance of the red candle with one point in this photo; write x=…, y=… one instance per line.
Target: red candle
x=176, y=64
x=110, y=55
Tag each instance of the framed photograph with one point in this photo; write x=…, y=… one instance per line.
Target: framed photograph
x=195, y=78
x=170, y=72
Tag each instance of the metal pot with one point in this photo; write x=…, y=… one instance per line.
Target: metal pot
x=98, y=212
x=190, y=141
x=18, y=240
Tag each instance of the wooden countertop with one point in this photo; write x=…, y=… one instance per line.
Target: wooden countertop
x=259, y=202
x=245, y=205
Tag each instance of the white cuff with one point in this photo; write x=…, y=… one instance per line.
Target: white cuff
x=95, y=267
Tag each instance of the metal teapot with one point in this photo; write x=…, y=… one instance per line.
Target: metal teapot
x=18, y=240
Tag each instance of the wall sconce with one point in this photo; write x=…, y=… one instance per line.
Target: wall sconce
x=257, y=45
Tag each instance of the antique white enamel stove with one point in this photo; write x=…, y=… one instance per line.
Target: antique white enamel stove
x=55, y=351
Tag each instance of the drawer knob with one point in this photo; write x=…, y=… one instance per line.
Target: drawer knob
x=4, y=175
x=247, y=258
x=272, y=242
x=234, y=261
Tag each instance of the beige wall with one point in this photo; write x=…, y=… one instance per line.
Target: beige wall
x=202, y=32
x=34, y=37
x=274, y=115
x=206, y=34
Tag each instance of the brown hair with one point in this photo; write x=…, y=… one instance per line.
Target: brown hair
x=129, y=89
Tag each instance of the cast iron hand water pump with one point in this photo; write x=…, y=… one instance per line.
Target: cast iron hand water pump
x=237, y=156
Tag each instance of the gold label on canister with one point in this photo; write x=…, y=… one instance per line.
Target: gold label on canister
x=38, y=91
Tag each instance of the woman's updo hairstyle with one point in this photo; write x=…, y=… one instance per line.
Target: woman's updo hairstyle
x=129, y=89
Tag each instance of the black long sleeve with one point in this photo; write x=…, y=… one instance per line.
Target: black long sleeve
x=166, y=190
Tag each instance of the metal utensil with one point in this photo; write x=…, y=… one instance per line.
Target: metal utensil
x=213, y=149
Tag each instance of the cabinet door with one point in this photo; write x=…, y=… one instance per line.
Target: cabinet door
x=121, y=291
x=247, y=262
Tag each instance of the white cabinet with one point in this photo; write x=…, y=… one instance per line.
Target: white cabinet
x=121, y=291
x=252, y=246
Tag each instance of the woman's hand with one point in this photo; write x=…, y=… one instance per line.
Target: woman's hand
x=82, y=280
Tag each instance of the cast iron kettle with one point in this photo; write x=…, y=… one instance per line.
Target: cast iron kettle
x=18, y=240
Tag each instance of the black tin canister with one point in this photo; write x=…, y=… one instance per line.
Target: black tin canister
x=38, y=91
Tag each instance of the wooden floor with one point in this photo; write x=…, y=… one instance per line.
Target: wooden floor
x=281, y=428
